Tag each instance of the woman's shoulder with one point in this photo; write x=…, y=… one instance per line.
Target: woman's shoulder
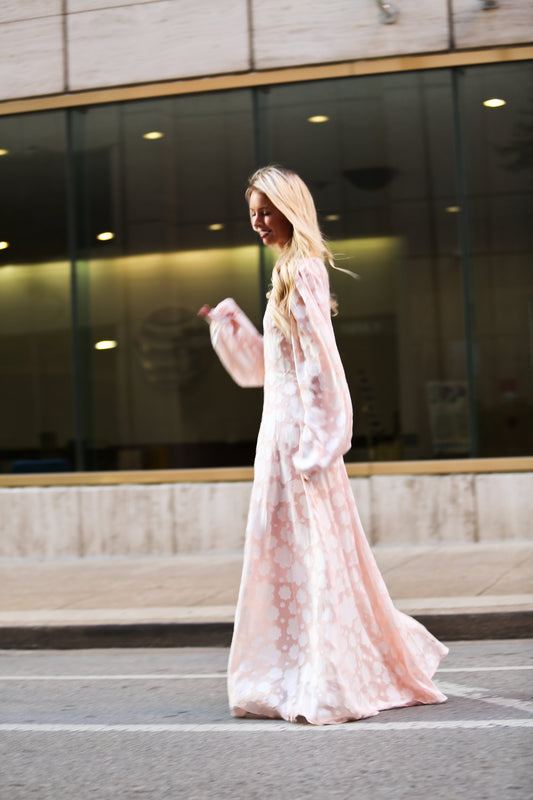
x=312, y=265
x=312, y=270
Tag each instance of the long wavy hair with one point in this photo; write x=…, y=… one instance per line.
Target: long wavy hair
x=290, y=195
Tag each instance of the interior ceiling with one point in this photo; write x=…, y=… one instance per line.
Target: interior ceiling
x=389, y=140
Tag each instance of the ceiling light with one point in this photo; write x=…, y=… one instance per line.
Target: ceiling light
x=453, y=209
x=153, y=135
x=332, y=217
x=216, y=226
x=105, y=236
x=4, y=245
x=318, y=118
x=106, y=344
x=494, y=102
x=3, y=151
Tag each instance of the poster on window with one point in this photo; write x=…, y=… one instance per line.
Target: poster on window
x=448, y=417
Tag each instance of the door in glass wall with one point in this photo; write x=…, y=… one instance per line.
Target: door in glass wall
x=378, y=154
x=162, y=228
x=36, y=401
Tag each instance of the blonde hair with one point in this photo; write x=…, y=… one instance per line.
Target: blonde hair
x=291, y=196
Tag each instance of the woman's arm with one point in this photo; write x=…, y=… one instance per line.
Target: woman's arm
x=326, y=432
x=238, y=344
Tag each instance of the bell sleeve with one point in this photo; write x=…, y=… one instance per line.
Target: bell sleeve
x=326, y=429
x=238, y=344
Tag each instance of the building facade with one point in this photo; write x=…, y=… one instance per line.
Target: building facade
x=127, y=132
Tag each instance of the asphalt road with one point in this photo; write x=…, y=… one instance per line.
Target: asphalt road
x=154, y=724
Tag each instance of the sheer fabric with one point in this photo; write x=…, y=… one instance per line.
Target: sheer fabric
x=317, y=636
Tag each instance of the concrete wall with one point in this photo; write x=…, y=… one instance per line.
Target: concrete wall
x=50, y=522
x=56, y=46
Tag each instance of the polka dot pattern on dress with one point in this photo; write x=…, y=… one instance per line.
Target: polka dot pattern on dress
x=316, y=634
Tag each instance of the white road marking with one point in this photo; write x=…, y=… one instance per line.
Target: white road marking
x=266, y=726
x=484, y=669
x=479, y=693
x=205, y=675
x=128, y=677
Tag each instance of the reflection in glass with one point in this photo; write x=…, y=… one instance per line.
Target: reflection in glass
x=499, y=207
x=382, y=171
x=181, y=239
x=423, y=190
x=36, y=401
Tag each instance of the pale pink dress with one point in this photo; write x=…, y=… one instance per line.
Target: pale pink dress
x=316, y=634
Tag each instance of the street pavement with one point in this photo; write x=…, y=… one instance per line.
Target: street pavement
x=119, y=724
x=459, y=591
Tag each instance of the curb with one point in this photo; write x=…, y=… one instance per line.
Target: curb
x=468, y=626
x=448, y=626
x=147, y=634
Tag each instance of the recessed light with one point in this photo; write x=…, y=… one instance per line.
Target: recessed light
x=332, y=217
x=453, y=209
x=4, y=245
x=318, y=118
x=105, y=236
x=494, y=102
x=216, y=226
x=3, y=151
x=153, y=135
x=106, y=344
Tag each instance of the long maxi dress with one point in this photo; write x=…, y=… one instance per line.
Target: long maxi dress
x=317, y=637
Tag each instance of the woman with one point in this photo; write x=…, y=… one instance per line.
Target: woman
x=316, y=637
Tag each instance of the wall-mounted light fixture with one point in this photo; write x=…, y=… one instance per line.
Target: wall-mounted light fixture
x=106, y=344
x=106, y=236
x=388, y=12
x=486, y=5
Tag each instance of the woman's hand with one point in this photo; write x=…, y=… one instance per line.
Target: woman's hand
x=204, y=312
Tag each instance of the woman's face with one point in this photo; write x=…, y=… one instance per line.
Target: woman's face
x=273, y=228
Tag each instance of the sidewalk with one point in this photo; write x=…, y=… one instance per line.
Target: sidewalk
x=471, y=591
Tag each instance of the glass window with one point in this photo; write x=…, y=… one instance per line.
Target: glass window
x=117, y=222
x=37, y=397
x=378, y=153
x=497, y=128
x=162, y=229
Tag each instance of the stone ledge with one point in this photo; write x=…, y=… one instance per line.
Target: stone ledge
x=171, y=518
